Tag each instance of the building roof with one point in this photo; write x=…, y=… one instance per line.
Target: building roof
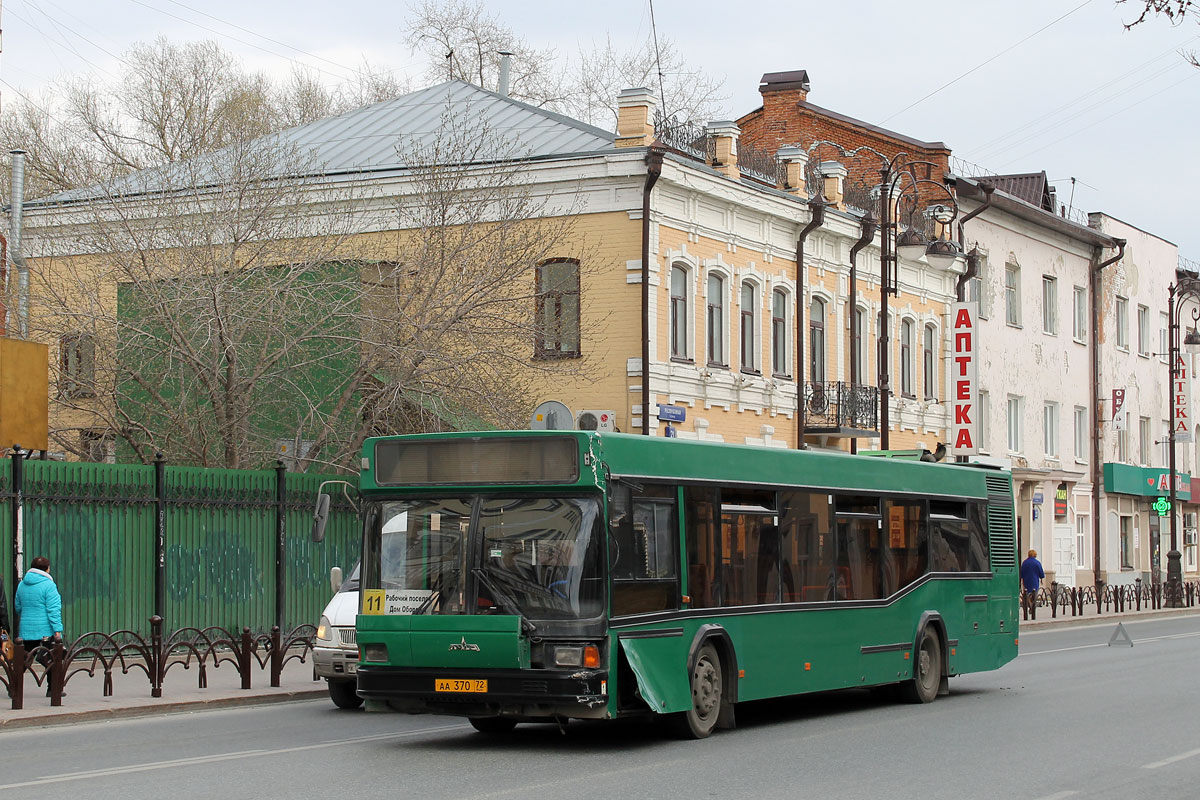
x=366, y=139
x=1032, y=187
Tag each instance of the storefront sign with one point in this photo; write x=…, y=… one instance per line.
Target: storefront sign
x=965, y=429
x=1181, y=399
x=1118, y=403
x=1145, y=481
x=1061, y=495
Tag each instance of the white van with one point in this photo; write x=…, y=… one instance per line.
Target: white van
x=335, y=650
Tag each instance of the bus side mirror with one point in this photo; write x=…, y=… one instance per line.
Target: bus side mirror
x=320, y=518
x=335, y=578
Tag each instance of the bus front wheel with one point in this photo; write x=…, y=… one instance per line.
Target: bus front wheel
x=927, y=670
x=707, y=686
x=492, y=725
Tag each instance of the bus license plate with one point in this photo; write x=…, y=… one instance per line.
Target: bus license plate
x=472, y=686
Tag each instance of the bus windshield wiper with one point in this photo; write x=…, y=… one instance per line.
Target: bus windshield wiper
x=502, y=598
x=427, y=603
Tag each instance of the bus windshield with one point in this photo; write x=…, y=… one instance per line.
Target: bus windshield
x=534, y=556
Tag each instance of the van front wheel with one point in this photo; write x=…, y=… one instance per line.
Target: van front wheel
x=344, y=694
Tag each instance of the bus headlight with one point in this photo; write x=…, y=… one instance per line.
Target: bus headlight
x=576, y=656
x=324, y=630
x=374, y=652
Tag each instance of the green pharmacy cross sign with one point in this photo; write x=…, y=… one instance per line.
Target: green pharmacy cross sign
x=1162, y=505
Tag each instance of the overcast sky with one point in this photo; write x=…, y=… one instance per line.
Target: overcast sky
x=1054, y=85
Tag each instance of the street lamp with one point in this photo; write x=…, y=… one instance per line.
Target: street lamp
x=1183, y=290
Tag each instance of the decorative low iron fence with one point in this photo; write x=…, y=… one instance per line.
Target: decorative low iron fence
x=1095, y=600
x=758, y=164
x=154, y=657
x=833, y=404
x=686, y=138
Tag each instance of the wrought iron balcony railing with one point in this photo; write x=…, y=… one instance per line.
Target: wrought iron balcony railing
x=835, y=405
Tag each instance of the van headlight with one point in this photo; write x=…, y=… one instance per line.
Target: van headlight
x=324, y=630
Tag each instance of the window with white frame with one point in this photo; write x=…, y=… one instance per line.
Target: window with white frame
x=1123, y=439
x=862, y=331
x=1144, y=441
x=1164, y=444
x=779, y=333
x=1080, y=307
x=748, y=327
x=929, y=362
x=1123, y=323
x=1164, y=342
x=680, y=313
x=977, y=291
x=715, y=320
x=816, y=340
x=1050, y=430
x=1014, y=424
x=1081, y=433
x=1126, y=528
x=907, y=367
x=1049, y=304
x=985, y=419
x=1012, y=294
x=1143, y=330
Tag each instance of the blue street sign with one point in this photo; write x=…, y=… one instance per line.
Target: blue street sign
x=671, y=413
x=669, y=432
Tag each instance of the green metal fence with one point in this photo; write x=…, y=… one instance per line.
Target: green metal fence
x=97, y=525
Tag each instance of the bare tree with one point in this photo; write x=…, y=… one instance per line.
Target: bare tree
x=215, y=308
x=599, y=74
x=1176, y=12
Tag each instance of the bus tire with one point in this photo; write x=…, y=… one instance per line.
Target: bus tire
x=344, y=694
x=707, y=687
x=493, y=726
x=927, y=669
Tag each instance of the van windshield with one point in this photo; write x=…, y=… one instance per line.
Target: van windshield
x=351, y=583
x=536, y=556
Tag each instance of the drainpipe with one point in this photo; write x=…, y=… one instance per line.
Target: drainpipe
x=14, y=247
x=1097, y=473
x=4, y=273
x=869, y=224
x=654, y=162
x=972, y=263
x=816, y=210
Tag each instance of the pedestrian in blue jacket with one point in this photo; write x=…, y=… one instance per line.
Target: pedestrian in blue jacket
x=1031, y=577
x=38, y=606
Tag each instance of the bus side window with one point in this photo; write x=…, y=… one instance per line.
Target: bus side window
x=645, y=554
x=806, y=546
x=700, y=528
x=949, y=537
x=906, y=548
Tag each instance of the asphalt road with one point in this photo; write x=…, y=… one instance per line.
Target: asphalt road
x=1072, y=717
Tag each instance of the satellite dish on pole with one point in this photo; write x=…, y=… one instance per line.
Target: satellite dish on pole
x=552, y=416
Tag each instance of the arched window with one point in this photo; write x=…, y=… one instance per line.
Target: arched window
x=748, y=328
x=715, y=320
x=906, y=359
x=679, y=313
x=558, y=309
x=779, y=333
x=816, y=340
x=928, y=364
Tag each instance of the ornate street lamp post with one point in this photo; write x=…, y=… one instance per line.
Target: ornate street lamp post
x=1183, y=290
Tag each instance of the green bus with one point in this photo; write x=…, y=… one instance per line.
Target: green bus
x=545, y=575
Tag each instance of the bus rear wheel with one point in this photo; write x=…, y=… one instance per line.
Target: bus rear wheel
x=707, y=687
x=492, y=725
x=927, y=670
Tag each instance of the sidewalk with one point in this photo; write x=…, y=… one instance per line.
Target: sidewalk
x=1044, y=620
x=84, y=700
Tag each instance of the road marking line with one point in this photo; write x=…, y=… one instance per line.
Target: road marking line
x=219, y=757
x=1136, y=641
x=1059, y=795
x=1172, y=759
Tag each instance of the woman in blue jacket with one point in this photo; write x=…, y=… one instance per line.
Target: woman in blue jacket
x=38, y=606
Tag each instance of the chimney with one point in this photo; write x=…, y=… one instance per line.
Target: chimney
x=795, y=162
x=833, y=176
x=635, y=117
x=505, y=65
x=781, y=93
x=725, y=135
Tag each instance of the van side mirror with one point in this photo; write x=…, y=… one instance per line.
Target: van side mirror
x=320, y=518
x=335, y=578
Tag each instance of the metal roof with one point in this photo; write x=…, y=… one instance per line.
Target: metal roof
x=371, y=139
x=1032, y=187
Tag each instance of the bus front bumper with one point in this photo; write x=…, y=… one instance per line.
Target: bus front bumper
x=581, y=693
